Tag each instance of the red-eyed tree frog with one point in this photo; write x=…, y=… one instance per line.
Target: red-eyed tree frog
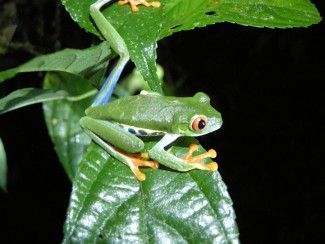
x=118, y=126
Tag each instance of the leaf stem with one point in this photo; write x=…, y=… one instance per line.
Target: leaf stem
x=82, y=96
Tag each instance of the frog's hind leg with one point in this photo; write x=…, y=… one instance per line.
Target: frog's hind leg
x=117, y=44
x=134, y=161
x=137, y=161
x=134, y=3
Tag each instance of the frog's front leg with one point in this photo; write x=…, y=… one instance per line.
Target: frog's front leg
x=196, y=160
x=186, y=163
x=134, y=3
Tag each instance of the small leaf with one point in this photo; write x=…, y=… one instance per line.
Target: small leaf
x=3, y=167
x=108, y=204
x=89, y=63
x=28, y=96
x=62, y=119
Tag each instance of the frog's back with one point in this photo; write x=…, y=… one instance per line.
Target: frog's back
x=149, y=110
x=142, y=111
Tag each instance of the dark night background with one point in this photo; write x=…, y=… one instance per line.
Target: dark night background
x=268, y=85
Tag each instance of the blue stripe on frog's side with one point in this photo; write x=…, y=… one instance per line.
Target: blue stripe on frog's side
x=141, y=131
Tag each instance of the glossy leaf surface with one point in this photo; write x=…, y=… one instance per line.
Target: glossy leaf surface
x=62, y=119
x=109, y=205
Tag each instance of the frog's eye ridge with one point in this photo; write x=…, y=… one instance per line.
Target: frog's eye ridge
x=199, y=123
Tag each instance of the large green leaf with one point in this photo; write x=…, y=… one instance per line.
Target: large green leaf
x=199, y=13
x=62, y=119
x=109, y=205
x=3, y=167
x=90, y=63
x=142, y=30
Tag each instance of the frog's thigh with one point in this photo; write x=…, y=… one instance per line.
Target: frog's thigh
x=113, y=134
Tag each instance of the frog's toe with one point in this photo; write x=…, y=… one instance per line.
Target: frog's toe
x=140, y=176
x=196, y=160
x=136, y=160
x=136, y=163
x=133, y=5
x=143, y=163
x=154, y=4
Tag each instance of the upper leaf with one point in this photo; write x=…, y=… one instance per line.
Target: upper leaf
x=186, y=14
x=142, y=30
x=178, y=15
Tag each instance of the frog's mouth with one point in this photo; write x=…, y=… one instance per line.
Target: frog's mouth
x=218, y=122
x=212, y=125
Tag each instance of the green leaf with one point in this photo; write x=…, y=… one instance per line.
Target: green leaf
x=28, y=96
x=3, y=167
x=90, y=63
x=187, y=14
x=140, y=32
x=178, y=15
x=62, y=119
x=109, y=205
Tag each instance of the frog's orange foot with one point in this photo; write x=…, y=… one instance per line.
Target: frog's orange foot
x=134, y=3
x=196, y=160
x=137, y=161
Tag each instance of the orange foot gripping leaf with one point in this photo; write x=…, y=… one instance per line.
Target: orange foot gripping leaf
x=196, y=160
x=134, y=3
x=137, y=162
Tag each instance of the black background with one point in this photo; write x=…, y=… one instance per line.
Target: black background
x=268, y=85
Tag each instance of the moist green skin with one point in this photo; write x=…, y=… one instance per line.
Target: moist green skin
x=155, y=112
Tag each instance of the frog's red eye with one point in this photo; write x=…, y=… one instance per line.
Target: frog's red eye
x=199, y=123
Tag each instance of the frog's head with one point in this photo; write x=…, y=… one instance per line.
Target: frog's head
x=197, y=117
